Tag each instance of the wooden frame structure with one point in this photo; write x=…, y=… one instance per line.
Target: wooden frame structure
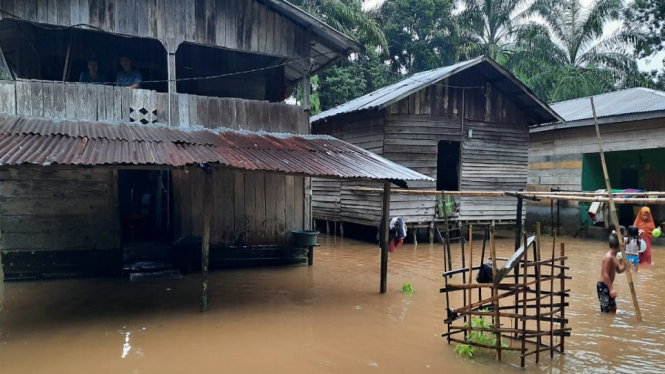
x=537, y=294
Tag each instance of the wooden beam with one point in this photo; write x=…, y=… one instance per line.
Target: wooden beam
x=613, y=212
x=2, y=285
x=208, y=203
x=385, y=224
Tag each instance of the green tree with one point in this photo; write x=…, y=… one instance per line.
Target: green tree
x=487, y=27
x=348, y=17
x=351, y=79
x=568, y=56
x=420, y=33
x=648, y=16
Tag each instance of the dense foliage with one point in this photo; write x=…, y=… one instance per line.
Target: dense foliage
x=559, y=48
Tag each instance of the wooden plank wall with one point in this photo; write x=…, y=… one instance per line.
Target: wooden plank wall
x=94, y=102
x=59, y=221
x=331, y=199
x=246, y=25
x=495, y=158
x=249, y=208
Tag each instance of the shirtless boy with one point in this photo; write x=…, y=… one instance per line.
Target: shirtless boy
x=611, y=266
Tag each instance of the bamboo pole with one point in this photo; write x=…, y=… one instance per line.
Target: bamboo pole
x=538, y=287
x=600, y=194
x=524, y=301
x=613, y=212
x=464, y=299
x=385, y=241
x=629, y=200
x=470, y=261
x=447, y=223
x=551, y=294
x=563, y=287
x=208, y=203
x=495, y=293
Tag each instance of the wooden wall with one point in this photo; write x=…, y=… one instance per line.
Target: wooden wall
x=249, y=208
x=245, y=25
x=494, y=158
x=60, y=221
x=95, y=102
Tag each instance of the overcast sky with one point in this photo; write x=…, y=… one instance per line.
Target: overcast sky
x=647, y=64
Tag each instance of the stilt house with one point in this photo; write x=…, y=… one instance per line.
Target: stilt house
x=205, y=148
x=466, y=126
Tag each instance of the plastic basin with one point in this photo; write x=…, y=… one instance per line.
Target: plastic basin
x=304, y=238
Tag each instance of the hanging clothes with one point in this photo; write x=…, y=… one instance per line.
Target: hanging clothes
x=396, y=235
x=644, y=222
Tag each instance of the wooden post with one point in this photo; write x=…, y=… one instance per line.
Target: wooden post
x=341, y=229
x=562, y=254
x=518, y=238
x=208, y=203
x=461, y=233
x=414, y=234
x=495, y=293
x=431, y=233
x=445, y=218
x=524, y=303
x=385, y=224
x=65, y=70
x=471, y=261
x=613, y=213
x=538, y=291
x=2, y=285
x=552, y=294
x=310, y=256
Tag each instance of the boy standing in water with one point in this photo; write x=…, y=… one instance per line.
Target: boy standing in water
x=610, y=267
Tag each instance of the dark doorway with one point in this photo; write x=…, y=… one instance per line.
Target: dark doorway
x=447, y=172
x=145, y=205
x=630, y=178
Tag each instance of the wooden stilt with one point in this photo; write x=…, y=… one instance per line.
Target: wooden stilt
x=385, y=236
x=470, y=261
x=524, y=302
x=445, y=218
x=464, y=300
x=613, y=213
x=538, y=286
x=431, y=233
x=328, y=227
x=334, y=228
x=495, y=293
x=208, y=203
x=341, y=229
x=552, y=293
x=563, y=287
x=414, y=234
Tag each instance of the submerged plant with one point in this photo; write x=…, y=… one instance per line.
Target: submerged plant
x=478, y=337
x=406, y=288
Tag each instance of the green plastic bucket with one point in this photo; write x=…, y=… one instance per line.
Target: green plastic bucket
x=304, y=238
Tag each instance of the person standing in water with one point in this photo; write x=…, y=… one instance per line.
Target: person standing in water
x=644, y=222
x=610, y=267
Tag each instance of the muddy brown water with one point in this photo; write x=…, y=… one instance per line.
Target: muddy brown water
x=328, y=318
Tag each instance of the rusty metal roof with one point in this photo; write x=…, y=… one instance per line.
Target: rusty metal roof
x=632, y=104
x=44, y=142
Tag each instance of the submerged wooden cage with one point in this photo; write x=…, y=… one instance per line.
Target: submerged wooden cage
x=525, y=300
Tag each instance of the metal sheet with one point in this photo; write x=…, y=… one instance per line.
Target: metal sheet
x=25, y=141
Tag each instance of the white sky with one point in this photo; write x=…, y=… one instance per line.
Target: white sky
x=655, y=62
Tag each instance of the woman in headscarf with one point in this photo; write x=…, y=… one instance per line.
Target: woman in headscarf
x=644, y=222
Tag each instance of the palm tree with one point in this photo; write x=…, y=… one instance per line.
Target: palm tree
x=347, y=17
x=487, y=26
x=568, y=56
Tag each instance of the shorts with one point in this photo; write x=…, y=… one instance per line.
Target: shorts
x=633, y=259
x=607, y=303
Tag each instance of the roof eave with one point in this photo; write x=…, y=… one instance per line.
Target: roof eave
x=601, y=121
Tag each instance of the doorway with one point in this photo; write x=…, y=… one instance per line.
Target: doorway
x=145, y=204
x=630, y=178
x=447, y=166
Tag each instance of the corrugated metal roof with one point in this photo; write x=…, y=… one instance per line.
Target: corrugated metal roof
x=44, y=142
x=612, y=107
x=389, y=95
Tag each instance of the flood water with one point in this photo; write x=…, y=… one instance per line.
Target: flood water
x=328, y=318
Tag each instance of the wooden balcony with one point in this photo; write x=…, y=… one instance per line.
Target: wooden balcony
x=94, y=102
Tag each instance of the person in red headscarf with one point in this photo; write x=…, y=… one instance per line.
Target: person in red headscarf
x=644, y=222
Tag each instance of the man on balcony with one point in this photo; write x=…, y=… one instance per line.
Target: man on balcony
x=128, y=77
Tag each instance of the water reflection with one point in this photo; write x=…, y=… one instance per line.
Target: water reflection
x=328, y=318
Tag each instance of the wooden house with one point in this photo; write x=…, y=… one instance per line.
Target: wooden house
x=564, y=155
x=90, y=170
x=466, y=126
